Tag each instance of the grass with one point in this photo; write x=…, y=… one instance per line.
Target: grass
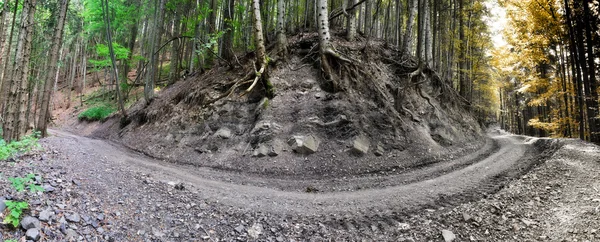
x=97, y=113
x=27, y=143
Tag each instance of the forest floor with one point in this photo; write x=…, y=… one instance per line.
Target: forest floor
x=517, y=189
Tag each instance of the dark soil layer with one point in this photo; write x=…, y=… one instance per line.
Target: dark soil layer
x=379, y=104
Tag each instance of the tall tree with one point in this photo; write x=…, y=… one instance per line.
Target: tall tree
x=49, y=77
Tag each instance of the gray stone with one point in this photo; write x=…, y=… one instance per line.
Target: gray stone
x=73, y=218
x=255, y=230
x=32, y=234
x=71, y=235
x=275, y=148
x=224, y=133
x=157, y=233
x=261, y=151
x=29, y=222
x=448, y=235
x=239, y=228
x=2, y=205
x=308, y=83
x=360, y=145
x=45, y=215
x=304, y=144
x=48, y=188
x=379, y=150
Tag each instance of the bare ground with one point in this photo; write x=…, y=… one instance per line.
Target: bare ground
x=558, y=200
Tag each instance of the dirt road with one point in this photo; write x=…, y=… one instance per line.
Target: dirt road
x=449, y=182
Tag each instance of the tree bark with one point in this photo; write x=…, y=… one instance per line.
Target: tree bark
x=227, y=50
x=408, y=33
x=351, y=22
x=281, y=38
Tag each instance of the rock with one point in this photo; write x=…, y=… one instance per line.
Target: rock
x=29, y=222
x=157, y=232
x=466, y=217
x=275, y=149
x=224, y=133
x=308, y=83
x=71, y=235
x=261, y=151
x=304, y=144
x=32, y=234
x=48, y=188
x=179, y=186
x=239, y=228
x=2, y=205
x=448, y=235
x=528, y=222
x=379, y=150
x=360, y=146
x=403, y=226
x=45, y=215
x=73, y=218
x=255, y=230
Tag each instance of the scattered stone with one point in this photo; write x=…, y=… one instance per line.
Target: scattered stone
x=304, y=144
x=30, y=222
x=528, y=222
x=261, y=151
x=360, y=146
x=157, y=232
x=275, y=148
x=379, y=150
x=448, y=235
x=45, y=215
x=71, y=235
x=74, y=218
x=224, y=133
x=466, y=217
x=32, y=234
x=2, y=205
x=403, y=226
x=255, y=230
x=239, y=228
x=308, y=83
x=48, y=188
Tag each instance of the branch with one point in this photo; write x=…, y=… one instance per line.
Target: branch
x=347, y=9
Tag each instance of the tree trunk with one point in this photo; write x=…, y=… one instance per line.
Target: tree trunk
x=228, y=11
x=174, y=75
x=408, y=34
x=7, y=73
x=17, y=100
x=113, y=60
x=281, y=38
x=351, y=21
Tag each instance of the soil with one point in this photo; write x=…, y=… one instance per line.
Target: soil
x=181, y=124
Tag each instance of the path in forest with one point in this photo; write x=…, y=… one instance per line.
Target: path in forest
x=451, y=182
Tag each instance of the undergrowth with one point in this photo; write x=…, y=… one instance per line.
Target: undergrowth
x=26, y=144
x=97, y=113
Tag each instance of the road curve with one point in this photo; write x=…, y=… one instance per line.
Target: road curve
x=513, y=153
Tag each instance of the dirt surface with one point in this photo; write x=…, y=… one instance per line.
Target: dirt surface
x=405, y=125
x=131, y=197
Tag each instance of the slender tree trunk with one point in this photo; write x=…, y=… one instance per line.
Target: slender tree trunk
x=175, y=49
x=408, y=34
x=228, y=13
x=113, y=60
x=281, y=38
x=351, y=22
x=7, y=73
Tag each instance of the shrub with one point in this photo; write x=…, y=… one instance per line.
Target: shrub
x=97, y=113
x=25, y=144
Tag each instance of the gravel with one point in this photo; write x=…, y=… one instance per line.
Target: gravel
x=558, y=199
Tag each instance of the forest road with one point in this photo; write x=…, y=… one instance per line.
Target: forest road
x=513, y=156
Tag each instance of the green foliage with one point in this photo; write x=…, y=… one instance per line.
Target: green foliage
x=121, y=53
x=10, y=240
x=19, y=183
x=97, y=113
x=26, y=144
x=15, y=209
